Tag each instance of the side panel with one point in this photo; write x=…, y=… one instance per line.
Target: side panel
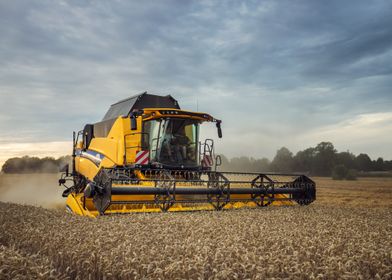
x=107, y=163
x=132, y=140
x=107, y=147
x=121, y=134
x=86, y=167
x=117, y=135
x=75, y=205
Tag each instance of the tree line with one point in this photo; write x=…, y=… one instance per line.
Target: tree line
x=322, y=160
x=28, y=164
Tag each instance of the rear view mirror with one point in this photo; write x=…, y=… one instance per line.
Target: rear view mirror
x=133, y=123
x=218, y=125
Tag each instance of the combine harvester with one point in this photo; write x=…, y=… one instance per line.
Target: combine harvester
x=145, y=156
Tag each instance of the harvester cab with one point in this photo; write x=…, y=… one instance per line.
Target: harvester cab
x=146, y=156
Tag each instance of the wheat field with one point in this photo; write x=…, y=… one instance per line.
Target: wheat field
x=345, y=234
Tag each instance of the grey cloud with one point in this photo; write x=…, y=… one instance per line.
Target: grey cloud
x=286, y=66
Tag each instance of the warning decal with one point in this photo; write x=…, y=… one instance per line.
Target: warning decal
x=142, y=157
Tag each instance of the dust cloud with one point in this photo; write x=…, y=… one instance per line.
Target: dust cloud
x=32, y=189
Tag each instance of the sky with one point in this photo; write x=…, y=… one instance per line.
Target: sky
x=278, y=73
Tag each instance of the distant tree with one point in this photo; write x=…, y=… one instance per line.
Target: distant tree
x=352, y=174
x=347, y=159
x=241, y=163
x=304, y=160
x=378, y=165
x=262, y=165
x=325, y=159
x=28, y=164
x=388, y=165
x=363, y=162
x=48, y=165
x=283, y=161
x=12, y=165
x=62, y=161
x=339, y=172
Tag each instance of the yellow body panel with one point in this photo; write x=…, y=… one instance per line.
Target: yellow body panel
x=107, y=163
x=133, y=140
x=106, y=146
x=86, y=167
x=75, y=203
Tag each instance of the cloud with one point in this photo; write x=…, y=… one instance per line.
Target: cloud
x=273, y=71
x=365, y=132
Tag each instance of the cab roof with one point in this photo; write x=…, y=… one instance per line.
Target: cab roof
x=140, y=101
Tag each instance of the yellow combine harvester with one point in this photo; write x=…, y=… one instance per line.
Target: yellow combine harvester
x=145, y=156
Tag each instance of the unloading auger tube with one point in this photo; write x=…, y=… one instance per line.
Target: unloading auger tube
x=209, y=186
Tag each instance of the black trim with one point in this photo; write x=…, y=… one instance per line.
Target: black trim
x=102, y=129
x=169, y=113
x=144, y=100
x=88, y=135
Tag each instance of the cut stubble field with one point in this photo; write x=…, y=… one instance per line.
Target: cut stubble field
x=364, y=192
x=345, y=234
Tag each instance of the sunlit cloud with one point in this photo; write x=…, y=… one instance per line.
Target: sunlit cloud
x=366, y=132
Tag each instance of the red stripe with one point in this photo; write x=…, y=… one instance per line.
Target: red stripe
x=145, y=161
x=140, y=155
